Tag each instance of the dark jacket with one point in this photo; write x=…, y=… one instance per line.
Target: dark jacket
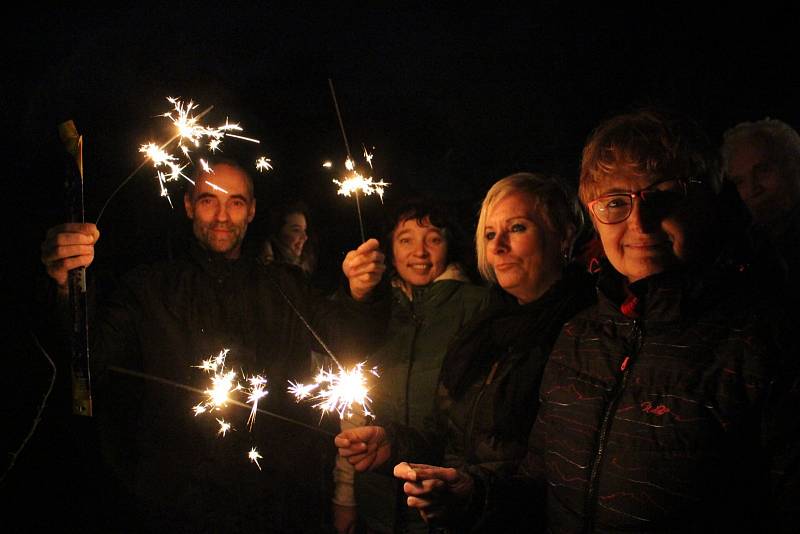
x=410, y=361
x=652, y=410
x=487, y=398
x=180, y=475
x=488, y=393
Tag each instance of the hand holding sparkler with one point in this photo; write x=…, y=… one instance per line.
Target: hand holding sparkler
x=365, y=447
x=66, y=247
x=364, y=268
x=439, y=493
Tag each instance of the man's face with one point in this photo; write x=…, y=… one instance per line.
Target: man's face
x=220, y=214
x=767, y=191
x=651, y=240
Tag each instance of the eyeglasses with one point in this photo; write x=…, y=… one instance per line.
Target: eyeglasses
x=663, y=195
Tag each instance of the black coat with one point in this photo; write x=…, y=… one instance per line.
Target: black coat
x=177, y=472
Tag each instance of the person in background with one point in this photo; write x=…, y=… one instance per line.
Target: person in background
x=762, y=159
x=288, y=241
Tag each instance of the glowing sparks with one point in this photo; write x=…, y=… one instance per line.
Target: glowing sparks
x=224, y=427
x=206, y=167
x=217, y=362
x=263, y=164
x=223, y=384
x=226, y=389
x=337, y=392
x=255, y=457
x=367, y=156
x=355, y=182
x=257, y=391
x=328, y=164
x=189, y=133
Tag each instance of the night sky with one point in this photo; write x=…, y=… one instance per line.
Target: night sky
x=452, y=100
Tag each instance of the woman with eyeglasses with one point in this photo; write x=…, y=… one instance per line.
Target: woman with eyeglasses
x=653, y=401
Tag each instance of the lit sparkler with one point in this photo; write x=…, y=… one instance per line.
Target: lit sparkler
x=337, y=392
x=223, y=384
x=190, y=134
x=254, y=457
x=224, y=387
x=355, y=182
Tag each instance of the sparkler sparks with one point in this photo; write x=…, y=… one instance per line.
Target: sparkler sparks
x=254, y=457
x=355, y=182
x=337, y=392
x=224, y=427
x=190, y=134
x=224, y=386
x=263, y=164
x=256, y=391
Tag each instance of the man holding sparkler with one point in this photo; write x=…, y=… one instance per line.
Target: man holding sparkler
x=176, y=470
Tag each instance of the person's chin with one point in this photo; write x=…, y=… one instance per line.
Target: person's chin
x=221, y=246
x=507, y=280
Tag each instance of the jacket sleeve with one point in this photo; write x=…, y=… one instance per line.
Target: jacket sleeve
x=500, y=499
x=350, y=328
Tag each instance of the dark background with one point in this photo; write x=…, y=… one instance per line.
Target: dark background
x=451, y=99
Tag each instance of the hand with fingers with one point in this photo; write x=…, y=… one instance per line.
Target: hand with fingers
x=66, y=247
x=441, y=494
x=364, y=268
x=365, y=447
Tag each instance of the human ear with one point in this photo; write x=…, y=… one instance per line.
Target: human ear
x=187, y=204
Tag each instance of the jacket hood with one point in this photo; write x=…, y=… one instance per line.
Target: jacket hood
x=452, y=272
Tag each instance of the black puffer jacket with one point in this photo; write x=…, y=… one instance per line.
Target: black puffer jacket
x=653, y=419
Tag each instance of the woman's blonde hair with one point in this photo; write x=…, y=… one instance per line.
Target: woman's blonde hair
x=554, y=201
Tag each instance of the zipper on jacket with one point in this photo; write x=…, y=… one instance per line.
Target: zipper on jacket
x=417, y=324
x=469, y=428
x=634, y=344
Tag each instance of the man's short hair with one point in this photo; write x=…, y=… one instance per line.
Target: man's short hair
x=198, y=172
x=647, y=142
x=780, y=142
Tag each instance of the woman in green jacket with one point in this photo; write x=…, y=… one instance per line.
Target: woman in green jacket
x=431, y=300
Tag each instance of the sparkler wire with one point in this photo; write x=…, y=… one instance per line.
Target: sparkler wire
x=14, y=455
x=178, y=385
x=339, y=115
x=141, y=165
x=347, y=147
x=303, y=320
